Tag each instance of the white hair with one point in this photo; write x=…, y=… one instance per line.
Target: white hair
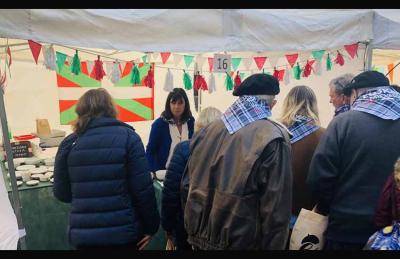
x=207, y=116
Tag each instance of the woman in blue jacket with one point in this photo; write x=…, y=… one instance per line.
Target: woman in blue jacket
x=175, y=124
x=101, y=169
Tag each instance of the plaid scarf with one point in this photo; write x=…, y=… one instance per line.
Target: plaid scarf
x=383, y=102
x=302, y=127
x=343, y=108
x=244, y=111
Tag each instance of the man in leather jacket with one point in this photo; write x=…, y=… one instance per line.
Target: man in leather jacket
x=237, y=186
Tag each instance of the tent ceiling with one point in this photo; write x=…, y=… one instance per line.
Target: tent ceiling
x=188, y=30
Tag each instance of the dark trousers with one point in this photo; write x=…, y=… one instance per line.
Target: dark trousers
x=335, y=245
x=129, y=246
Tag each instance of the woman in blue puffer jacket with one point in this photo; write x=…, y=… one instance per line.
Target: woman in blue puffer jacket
x=171, y=209
x=101, y=169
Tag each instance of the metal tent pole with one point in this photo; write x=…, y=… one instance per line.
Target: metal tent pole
x=368, y=58
x=11, y=171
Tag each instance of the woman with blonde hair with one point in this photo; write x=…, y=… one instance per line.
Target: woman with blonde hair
x=300, y=115
x=171, y=210
x=101, y=169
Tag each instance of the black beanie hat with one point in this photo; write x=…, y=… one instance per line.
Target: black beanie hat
x=366, y=79
x=258, y=84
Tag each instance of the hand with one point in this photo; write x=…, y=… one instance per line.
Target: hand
x=144, y=242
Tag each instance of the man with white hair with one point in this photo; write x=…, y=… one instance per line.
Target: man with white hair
x=353, y=160
x=338, y=99
x=239, y=175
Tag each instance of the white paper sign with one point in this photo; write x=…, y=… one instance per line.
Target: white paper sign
x=222, y=63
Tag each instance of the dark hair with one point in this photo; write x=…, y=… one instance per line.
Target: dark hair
x=176, y=95
x=94, y=103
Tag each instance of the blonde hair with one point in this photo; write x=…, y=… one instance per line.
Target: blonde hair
x=301, y=100
x=397, y=173
x=94, y=103
x=207, y=116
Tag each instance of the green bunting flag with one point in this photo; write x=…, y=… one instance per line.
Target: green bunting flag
x=317, y=54
x=76, y=64
x=297, y=72
x=187, y=81
x=188, y=60
x=61, y=57
x=236, y=63
x=135, y=76
x=228, y=82
x=328, y=63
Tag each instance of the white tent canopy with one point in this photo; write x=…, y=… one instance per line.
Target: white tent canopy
x=189, y=30
x=386, y=29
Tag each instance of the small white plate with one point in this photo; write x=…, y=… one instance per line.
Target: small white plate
x=50, y=168
x=25, y=167
x=32, y=182
x=39, y=170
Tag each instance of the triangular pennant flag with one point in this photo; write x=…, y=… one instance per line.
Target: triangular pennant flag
x=318, y=54
x=90, y=65
x=292, y=58
x=273, y=60
x=61, y=57
x=339, y=59
x=242, y=75
x=188, y=60
x=154, y=56
x=200, y=62
x=236, y=63
x=210, y=64
x=286, y=78
x=49, y=57
x=165, y=56
x=260, y=62
x=318, y=68
x=211, y=83
x=35, y=49
x=390, y=69
x=177, y=59
x=169, y=82
x=144, y=59
x=247, y=63
x=352, y=49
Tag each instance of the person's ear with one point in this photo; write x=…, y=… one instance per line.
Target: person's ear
x=273, y=103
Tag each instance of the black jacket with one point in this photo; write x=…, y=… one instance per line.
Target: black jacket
x=104, y=174
x=171, y=209
x=349, y=168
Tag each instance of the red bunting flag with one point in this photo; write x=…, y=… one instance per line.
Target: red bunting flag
x=200, y=83
x=292, y=58
x=148, y=80
x=352, y=49
x=165, y=56
x=98, y=71
x=339, y=59
x=307, y=69
x=210, y=64
x=260, y=62
x=237, y=80
x=278, y=74
x=9, y=56
x=35, y=49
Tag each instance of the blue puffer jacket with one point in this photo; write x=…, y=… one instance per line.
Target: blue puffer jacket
x=171, y=209
x=157, y=150
x=104, y=174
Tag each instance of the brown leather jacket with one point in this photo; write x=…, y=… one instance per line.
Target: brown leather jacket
x=240, y=191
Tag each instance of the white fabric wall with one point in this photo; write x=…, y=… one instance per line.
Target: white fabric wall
x=32, y=93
